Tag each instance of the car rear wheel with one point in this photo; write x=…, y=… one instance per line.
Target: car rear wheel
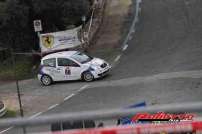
x=46, y=80
x=88, y=76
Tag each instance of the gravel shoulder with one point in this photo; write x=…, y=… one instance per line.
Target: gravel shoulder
x=118, y=17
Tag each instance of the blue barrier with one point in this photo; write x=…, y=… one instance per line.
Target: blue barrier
x=127, y=120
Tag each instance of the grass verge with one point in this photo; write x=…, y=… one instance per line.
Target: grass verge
x=10, y=114
x=23, y=69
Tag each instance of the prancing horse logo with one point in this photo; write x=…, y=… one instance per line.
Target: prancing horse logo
x=48, y=41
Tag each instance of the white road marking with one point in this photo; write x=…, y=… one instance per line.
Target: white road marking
x=35, y=115
x=117, y=58
x=130, y=37
x=137, y=20
x=68, y=97
x=5, y=130
x=53, y=106
x=139, y=1
x=140, y=9
x=125, y=47
x=133, y=31
x=82, y=88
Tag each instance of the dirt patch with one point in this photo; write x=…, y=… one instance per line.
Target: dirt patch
x=10, y=100
x=109, y=38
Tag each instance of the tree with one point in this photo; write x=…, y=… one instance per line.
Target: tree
x=73, y=11
x=14, y=25
x=16, y=29
x=58, y=14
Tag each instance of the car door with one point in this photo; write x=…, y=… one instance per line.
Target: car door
x=49, y=68
x=70, y=69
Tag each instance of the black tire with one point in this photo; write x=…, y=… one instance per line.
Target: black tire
x=46, y=80
x=87, y=76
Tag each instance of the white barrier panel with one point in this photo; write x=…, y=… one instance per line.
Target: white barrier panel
x=60, y=40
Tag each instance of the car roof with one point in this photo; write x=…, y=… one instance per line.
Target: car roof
x=60, y=54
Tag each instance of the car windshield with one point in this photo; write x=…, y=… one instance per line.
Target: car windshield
x=81, y=57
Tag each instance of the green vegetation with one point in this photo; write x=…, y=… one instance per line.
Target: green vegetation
x=23, y=69
x=2, y=8
x=16, y=19
x=10, y=114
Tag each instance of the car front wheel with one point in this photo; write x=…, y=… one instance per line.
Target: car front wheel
x=88, y=76
x=46, y=80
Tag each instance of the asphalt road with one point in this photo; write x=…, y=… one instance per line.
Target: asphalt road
x=168, y=39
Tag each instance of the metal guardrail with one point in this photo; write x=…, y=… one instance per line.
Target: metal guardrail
x=100, y=115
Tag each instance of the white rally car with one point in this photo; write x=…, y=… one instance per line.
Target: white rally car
x=71, y=65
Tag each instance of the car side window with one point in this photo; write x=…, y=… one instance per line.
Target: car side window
x=50, y=62
x=67, y=62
